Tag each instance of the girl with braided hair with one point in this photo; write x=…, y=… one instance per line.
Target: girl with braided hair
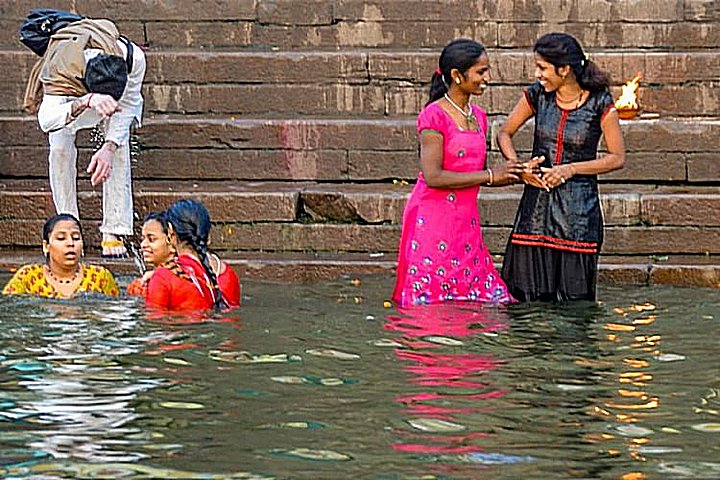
x=156, y=250
x=197, y=279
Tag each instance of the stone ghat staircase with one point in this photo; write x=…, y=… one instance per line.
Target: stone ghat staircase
x=293, y=120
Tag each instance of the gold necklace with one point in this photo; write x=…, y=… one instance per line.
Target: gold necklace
x=63, y=281
x=469, y=114
x=576, y=99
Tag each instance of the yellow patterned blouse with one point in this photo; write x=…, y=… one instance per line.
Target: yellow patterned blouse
x=30, y=280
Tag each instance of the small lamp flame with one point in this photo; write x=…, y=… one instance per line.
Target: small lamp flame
x=626, y=104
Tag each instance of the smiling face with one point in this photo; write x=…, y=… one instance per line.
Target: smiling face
x=64, y=245
x=477, y=77
x=549, y=77
x=155, y=246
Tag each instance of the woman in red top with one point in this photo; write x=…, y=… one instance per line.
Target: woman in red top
x=196, y=279
x=156, y=250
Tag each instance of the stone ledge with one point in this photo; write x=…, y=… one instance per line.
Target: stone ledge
x=351, y=203
x=361, y=66
x=677, y=135
x=329, y=238
x=637, y=271
x=375, y=99
x=334, y=164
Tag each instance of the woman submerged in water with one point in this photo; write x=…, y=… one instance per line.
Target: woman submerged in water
x=196, y=279
x=63, y=275
x=156, y=250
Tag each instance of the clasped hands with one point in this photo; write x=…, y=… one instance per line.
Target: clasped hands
x=544, y=177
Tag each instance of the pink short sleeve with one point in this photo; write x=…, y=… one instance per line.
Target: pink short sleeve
x=431, y=118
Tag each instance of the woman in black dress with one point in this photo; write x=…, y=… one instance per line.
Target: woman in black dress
x=552, y=254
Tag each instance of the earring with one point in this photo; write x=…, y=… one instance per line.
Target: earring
x=457, y=80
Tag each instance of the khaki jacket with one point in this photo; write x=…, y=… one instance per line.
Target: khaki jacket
x=61, y=70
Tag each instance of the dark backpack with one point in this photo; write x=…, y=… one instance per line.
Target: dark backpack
x=41, y=24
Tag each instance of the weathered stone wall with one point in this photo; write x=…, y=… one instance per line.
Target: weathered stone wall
x=294, y=119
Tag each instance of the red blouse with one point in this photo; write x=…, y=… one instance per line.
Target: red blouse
x=189, y=287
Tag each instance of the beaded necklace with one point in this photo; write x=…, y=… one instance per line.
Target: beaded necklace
x=469, y=114
x=63, y=281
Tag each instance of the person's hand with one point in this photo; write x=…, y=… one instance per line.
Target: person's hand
x=103, y=104
x=532, y=174
x=101, y=164
x=507, y=172
x=558, y=174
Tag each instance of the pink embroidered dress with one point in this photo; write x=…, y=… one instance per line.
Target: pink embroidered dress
x=442, y=255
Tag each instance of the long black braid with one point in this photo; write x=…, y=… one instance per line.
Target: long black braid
x=191, y=222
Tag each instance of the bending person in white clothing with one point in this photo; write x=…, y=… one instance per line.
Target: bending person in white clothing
x=114, y=105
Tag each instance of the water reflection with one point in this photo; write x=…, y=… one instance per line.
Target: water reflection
x=300, y=385
x=66, y=386
x=451, y=384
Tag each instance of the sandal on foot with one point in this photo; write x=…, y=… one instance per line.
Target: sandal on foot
x=113, y=249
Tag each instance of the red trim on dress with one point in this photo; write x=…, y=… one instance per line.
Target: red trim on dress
x=527, y=99
x=609, y=108
x=556, y=243
x=560, y=135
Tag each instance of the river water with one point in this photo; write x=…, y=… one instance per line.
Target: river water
x=322, y=380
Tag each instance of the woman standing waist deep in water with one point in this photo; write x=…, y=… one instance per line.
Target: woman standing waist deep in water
x=442, y=255
x=552, y=254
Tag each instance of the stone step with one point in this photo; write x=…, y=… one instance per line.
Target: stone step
x=359, y=218
x=338, y=24
x=697, y=271
x=326, y=149
x=365, y=204
x=374, y=83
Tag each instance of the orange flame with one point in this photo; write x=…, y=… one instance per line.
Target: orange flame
x=628, y=97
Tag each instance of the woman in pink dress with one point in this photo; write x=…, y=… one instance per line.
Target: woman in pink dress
x=442, y=255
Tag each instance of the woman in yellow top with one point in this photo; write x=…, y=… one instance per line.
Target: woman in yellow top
x=62, y=275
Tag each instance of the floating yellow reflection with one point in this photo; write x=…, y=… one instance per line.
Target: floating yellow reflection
x=643, y=406
x=644, y=307
x=637, y=456
x=634, y=476
x=619, y=311
x=632, y=393
x=602, y=412
x=644, y=321
x=635, y=363
x=625, y=418
x=598, y=437
x=619, y=327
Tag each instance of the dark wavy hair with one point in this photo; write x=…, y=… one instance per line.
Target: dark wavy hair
x=54, y=220
x=561, y=49
x=461, y=54
x=190, y=221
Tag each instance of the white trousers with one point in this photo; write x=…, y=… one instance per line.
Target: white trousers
x=117, y=189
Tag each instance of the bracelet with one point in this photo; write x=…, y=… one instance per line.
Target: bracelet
x=490, y=173
x=87, y=105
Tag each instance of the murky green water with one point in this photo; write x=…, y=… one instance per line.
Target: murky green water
x=321, y=381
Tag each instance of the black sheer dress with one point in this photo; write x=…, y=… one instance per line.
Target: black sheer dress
x=552, y=253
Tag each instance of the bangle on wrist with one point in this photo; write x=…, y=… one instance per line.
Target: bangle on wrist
x=490, y=175
x=87, y=104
